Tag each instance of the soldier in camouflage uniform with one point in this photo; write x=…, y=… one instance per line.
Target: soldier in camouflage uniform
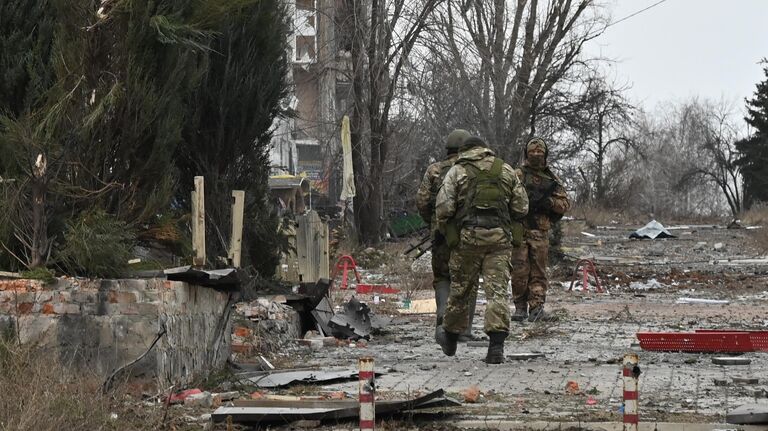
x=476, y=209
x=548, y=202
x=425, y=202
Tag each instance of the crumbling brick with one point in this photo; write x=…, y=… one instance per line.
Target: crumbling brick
x=48, y=308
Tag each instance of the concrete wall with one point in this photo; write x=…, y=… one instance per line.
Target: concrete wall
x=99, y=325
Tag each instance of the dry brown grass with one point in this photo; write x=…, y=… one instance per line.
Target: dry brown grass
x=594, y=215
x=38, y=393
x=757, y=216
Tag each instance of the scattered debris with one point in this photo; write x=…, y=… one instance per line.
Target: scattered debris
x=572, y=388
x=651, y=284
x=227, y=277
x=354, y=322
x=652, y=230
x=287, y=378
x=181, y=397
x=420, y=306
x=375, y=288
x=471, y=394
x=256, y=411
x=525, y=356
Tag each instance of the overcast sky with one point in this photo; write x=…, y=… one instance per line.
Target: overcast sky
x=682, y=48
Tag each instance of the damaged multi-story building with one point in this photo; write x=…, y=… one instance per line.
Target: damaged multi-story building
x=309, y=143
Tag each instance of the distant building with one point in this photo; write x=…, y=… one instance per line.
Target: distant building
x=309, y=143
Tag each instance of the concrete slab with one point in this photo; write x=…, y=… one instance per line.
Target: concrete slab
x=727, y=360
x=748, y=414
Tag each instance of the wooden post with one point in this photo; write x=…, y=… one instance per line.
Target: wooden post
x=198, y=222
x=236, y=239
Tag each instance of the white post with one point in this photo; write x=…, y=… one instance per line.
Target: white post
x=236, y=239
x=198, y=222
x=631, y=372
x=367, y=394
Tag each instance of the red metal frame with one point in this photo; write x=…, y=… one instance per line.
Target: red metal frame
x=705, y=340
x=587, y=266
x=345, y=263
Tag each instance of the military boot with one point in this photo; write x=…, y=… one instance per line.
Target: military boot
x=521, y=312
x=538, y=314
x=467, y=334
x=442, y=291
x=447, y=341
x=496, y=348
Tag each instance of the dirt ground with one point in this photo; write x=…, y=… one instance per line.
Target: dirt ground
x=644, y=279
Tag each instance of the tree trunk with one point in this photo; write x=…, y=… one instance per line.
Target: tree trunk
x=39, y=251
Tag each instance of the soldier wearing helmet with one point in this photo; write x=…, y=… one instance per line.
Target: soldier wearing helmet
x=425, y=202
x=548, y=203
x=478, y=206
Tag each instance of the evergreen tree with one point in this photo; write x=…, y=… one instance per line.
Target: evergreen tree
x=26, y=35
x=754, y=149
x=228, y=132
x=97, y=98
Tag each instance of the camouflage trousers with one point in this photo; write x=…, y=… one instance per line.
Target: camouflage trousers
x=468, y=263
x=440, y=257
x=529, y=269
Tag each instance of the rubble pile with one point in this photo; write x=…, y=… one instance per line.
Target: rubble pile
x=264, y=325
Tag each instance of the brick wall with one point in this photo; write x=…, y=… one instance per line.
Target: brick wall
x=100, y=325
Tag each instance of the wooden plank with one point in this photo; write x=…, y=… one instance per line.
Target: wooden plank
x=236, y=239
x=198, y=222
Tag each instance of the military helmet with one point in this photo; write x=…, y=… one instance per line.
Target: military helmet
x=472, y=142
x=455, y=139
x=537, y=142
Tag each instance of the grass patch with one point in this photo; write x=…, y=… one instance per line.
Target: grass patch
x=40, y=273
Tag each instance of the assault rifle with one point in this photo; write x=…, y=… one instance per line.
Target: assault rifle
x=424, y=245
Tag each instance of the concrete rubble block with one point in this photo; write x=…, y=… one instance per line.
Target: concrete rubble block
x=221, y=397
x=727, y=360
x=204, y=399
x=748, y=414
x=745, y=380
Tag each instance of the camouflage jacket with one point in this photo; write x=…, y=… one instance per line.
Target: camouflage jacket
x=455, y=190
x=430, y=184
x=557, y=203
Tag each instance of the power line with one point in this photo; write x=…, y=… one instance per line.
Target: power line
x=635, y=13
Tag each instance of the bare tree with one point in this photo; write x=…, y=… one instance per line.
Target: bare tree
x=384, y=34
x=507, y=56
x=602, y=123
x=717, y=154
